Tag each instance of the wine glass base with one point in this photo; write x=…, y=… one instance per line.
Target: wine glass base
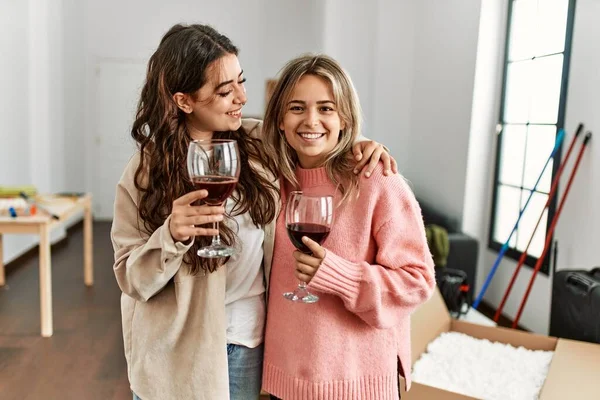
x=301, y=296
x=216, y=251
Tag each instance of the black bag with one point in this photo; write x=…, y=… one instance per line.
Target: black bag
x=454, y=287
x=575, y=312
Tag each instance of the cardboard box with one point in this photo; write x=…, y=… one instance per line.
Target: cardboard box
x=574, y=372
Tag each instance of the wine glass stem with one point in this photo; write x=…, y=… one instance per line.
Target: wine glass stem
x=216, y=240
x=302, y=285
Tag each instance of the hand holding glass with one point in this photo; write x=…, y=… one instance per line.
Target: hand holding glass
x=213, y=165
x=310, y=216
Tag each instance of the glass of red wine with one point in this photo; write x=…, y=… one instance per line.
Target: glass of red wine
x=310, y=216
x=214, y=165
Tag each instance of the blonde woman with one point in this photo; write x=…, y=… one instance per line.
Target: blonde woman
x=374, y=268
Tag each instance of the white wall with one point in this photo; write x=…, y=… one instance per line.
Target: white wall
x=349, y=34
x=73, y=94
x=283, y=38
x=15, y=166
x=484, y=118
x=394, y=49
x=14, y=101
x=41, y=64
x=31, y=103
x=442, y=92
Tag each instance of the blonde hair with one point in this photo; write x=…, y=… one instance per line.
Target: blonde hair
x=338, y=164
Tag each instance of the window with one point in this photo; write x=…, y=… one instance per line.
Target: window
x=536, y=65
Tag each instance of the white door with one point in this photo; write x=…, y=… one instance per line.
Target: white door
x=116, y=90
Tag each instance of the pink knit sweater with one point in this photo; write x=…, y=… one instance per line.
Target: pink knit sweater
x=377, y=270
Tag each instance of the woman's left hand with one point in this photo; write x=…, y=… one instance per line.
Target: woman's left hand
x=368, y=153
x=307, y=265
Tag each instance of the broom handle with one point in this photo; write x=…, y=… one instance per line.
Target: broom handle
x=540, y=260
x=488, y=280
x=550, y=197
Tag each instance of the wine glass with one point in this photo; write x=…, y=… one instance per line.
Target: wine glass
x=311, y=216
x=214, y=165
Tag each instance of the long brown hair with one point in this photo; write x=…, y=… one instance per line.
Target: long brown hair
x=179, y=65
x=338, y=164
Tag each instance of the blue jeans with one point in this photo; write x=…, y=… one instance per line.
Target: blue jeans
x=245, y=372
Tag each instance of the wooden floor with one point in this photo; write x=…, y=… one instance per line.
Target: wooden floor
x=84, y=358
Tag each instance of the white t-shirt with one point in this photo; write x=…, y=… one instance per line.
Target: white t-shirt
x=245, y=290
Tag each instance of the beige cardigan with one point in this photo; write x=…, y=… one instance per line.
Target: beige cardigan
x=174, y=324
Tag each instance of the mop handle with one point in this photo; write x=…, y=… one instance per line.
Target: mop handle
x=488, y=280
x=550, y=197
x=540, y=260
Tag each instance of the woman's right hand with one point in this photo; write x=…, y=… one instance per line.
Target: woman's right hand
x=185, y=216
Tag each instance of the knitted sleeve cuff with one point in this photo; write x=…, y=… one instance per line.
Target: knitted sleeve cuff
x=338, y=276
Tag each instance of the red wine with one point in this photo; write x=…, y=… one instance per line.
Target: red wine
x=219, y=188
x=316, y=232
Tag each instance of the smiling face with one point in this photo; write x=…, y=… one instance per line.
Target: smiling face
x=217, y=105
x=311, y=122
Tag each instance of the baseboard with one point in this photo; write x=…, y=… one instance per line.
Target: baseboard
x=489, y=311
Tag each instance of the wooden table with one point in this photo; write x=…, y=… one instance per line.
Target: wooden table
x=42, y=224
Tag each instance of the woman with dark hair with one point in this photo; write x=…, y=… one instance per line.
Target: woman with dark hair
x=193, y=327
